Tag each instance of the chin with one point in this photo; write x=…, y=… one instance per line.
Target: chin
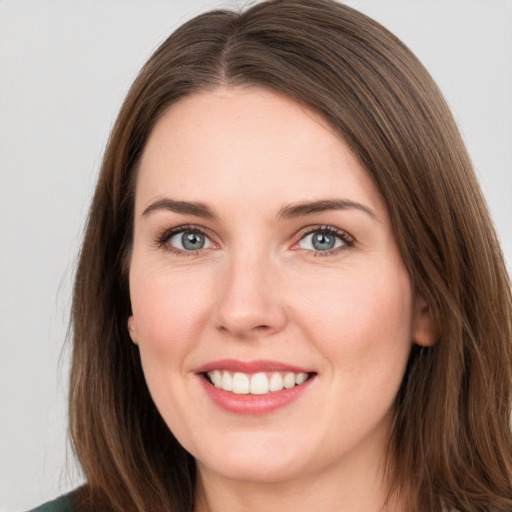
x=261, y=460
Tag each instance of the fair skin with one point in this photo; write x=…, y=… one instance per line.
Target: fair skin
x=228, y=274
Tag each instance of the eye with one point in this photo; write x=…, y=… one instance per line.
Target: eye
x=187, y=240
x=326, y=239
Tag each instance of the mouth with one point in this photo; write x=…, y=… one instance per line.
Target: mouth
x=259, y=383
x=254, y=388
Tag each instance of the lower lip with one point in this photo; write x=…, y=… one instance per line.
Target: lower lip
x=253, y=404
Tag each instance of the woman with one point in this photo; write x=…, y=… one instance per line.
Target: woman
x=289, y=293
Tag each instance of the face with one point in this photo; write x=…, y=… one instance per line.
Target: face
x=271, y=306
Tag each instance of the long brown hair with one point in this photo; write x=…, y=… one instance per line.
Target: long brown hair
x=451, y=444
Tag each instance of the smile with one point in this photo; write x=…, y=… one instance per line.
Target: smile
x=259, y=383
x=254, y=387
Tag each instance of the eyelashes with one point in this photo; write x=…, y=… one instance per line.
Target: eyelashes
x=187, y=240
x=323, y=240
x=192, y=240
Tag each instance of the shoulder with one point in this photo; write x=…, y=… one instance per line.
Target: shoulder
x=64, y=503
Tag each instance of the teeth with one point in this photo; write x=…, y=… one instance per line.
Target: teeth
x=227, y=381
x=300, y=378
x=256, y=384
x=259, y=384
x=289, y=380
x=217, y=379
x=276, y=382
x=240, y=384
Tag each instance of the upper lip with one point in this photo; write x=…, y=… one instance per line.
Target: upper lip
x=234, y=365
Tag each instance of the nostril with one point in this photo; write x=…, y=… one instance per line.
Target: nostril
x=242, y=332
x=262, y=327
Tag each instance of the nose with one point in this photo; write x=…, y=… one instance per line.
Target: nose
x=249, y=302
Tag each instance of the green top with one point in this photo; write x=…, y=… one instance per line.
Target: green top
x=62, y=504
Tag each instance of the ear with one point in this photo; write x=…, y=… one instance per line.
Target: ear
x=424, y=331
x=132, y=329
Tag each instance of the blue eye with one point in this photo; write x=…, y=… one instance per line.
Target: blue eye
x=323, y=240
x=189, y=240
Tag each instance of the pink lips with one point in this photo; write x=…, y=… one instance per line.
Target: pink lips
x=251, y=404
x=234, y=365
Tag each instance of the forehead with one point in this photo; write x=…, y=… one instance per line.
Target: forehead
x=251, y=144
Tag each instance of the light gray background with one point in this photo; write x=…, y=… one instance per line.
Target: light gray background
x=64, y=70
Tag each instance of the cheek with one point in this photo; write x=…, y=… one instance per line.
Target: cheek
x=362, y=317
x=168, y=307
x=169, y=310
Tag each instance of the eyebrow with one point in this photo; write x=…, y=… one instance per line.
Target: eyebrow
x=290, y=211
x=186, y=207
x=312, y=207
